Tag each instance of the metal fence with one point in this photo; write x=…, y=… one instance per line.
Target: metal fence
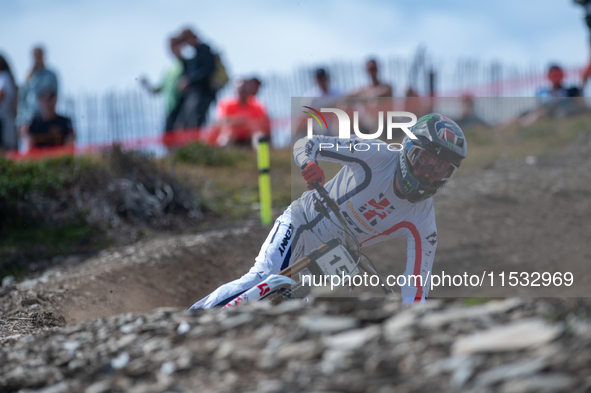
x=129, y=115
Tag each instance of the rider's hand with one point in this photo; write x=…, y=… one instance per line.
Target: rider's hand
x=312, y=173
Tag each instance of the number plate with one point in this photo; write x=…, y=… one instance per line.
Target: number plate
x=337, y=261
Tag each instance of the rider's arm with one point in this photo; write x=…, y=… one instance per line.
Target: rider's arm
x=334, y=149
x=420, y=233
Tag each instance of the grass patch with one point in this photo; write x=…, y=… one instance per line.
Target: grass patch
x=203, y=155
x=541, y=139
x=73, y=205
x=19, y=178
x=231, y=191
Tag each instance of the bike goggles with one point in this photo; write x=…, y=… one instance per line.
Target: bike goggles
x=427, y=167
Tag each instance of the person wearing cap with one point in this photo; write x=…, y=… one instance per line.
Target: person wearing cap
x=322, y=95
x=323, y=87
x=48, y=129
x=39, y=78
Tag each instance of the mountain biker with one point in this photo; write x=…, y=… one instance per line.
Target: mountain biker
x=382, y=194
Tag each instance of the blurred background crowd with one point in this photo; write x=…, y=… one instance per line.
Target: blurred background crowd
x=198, y=95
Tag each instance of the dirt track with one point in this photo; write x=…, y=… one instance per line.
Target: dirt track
x=514, y=216
x=162, y=272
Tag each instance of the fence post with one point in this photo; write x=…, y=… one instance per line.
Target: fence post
x=264, y=163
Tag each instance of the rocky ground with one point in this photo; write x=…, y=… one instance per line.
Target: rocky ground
x=331, y=345
x=89, y=324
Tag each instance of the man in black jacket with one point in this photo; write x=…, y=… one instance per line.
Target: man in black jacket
x=586, y=4
x=194, y=84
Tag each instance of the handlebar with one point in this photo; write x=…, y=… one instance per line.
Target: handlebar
x=350, y=243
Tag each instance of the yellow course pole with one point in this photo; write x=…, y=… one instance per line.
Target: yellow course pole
x=264, y=164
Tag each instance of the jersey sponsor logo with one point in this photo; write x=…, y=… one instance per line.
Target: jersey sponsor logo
x=264, y=289
x=285, y=240
x=432, y=238
x=357, y=217
x=380, y=208
x=351, y=223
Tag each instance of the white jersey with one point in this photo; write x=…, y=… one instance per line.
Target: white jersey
x=364, y=189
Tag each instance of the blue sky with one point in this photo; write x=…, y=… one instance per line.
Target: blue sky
x=106, y=44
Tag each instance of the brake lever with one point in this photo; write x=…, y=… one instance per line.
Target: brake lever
x=319, y=206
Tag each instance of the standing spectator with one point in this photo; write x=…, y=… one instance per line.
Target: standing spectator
x=322, y=88
x=586, y=4
x=321, y=96
x=241, y=119
x=366, y=100
x=556, y=100
x=39, y=77
x=375, y=88
x=169, y=85
x=194, y=84
x=469, y=117
x=8, y=105
x=48, y=128
x=557, y=89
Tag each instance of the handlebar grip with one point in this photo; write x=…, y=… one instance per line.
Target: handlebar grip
x=316, y=184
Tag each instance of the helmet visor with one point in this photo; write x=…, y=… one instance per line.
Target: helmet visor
x=427, y=167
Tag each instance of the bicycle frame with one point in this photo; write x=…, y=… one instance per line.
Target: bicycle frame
x=363, y=262
x=283, y=281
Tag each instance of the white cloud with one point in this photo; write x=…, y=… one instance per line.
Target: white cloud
x=102, y=45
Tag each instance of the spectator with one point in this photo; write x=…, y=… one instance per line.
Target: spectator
x=39, y=77
x=194, y=84
x=8, y=106
x=365, y=101
x=555, y=77
x=322, y=88
x=556, y=101
x=586, y=4
x=376, y=88
x=48, y=128
x=169, y=85
x=321, y=96
x=242, y=119
x=469, y=117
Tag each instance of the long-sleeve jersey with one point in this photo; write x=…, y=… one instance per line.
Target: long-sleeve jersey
x=364, y=190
